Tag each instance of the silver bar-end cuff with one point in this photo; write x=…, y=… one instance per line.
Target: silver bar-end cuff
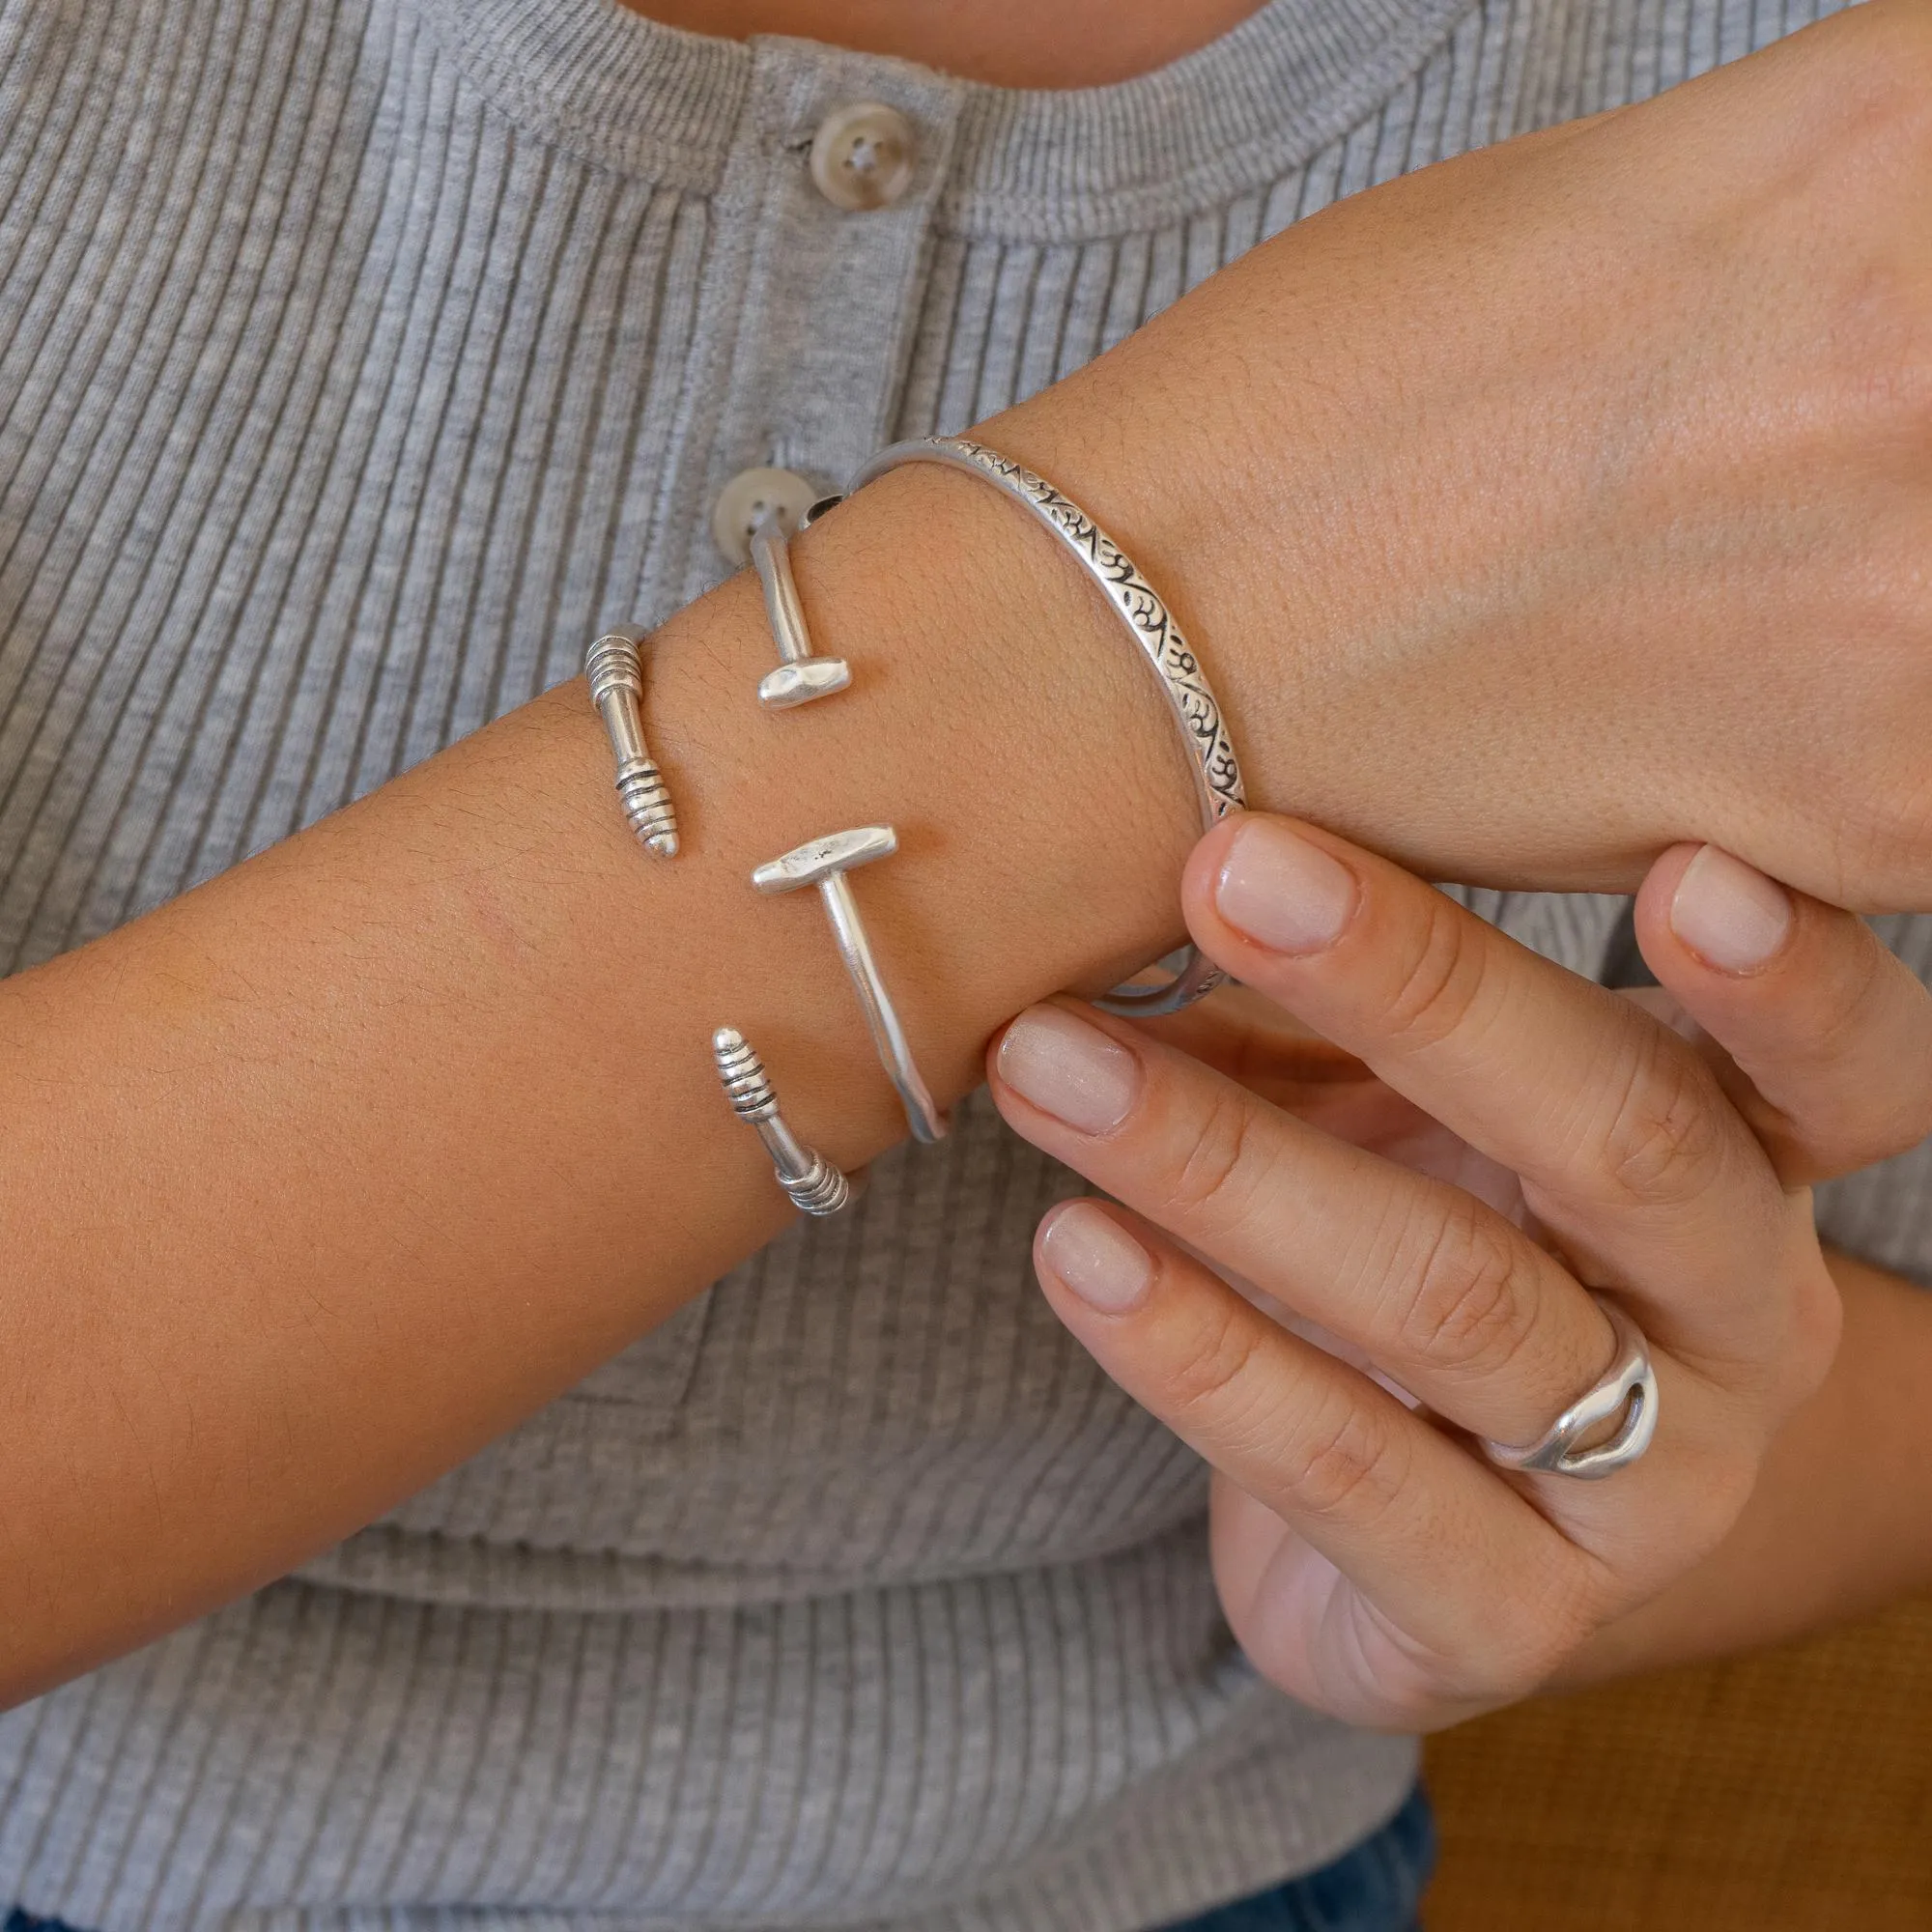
x=801, y=675
x=814, y=1183
x=824, y=863
x=615, y=671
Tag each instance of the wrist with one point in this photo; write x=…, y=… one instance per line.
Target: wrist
x=1219, y=493
x=999, y=719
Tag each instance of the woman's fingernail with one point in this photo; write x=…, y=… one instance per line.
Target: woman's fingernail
x=1069, y=1070
x=1097, y=1259
x=1728, y=912
x=1282, y=892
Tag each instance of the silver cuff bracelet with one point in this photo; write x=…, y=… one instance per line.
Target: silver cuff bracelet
x=1217, y=772
x=616, y=675
x=814, y=1183
x=801, y=677
x=824, y=863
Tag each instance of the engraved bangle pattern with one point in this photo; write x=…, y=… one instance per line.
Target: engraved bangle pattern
x=616, y=675
x=814, y=1183
x=824, y=863
x=1184, y=683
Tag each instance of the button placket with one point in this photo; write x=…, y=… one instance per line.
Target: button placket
x=823, y=324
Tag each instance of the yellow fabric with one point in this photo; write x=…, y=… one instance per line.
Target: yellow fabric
x=1788, y=1791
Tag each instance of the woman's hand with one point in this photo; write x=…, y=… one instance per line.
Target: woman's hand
x=1371, y=1562
x=1570, y=498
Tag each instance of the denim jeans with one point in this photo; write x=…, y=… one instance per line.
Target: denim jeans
x=1375, y=1888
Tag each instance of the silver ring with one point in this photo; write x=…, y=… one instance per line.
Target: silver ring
x=824, y=863
x=1217, y=772
x=1629, y=1390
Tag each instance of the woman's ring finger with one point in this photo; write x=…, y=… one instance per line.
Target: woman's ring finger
x=1622, y=1401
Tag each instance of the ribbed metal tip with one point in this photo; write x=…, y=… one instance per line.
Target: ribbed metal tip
x=742, y=1074
x=823, y=1191
x=612, y=664
x=647, y=803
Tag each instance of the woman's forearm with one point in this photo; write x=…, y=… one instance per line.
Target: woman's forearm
x=325, y=1174
x=1840, y=1522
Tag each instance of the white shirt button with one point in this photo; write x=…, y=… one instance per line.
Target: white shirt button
x=862, y=155
x=744, y=501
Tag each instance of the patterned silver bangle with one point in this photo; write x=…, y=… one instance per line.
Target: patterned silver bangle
x=1184, y=683
x=616, y=677
x=824, y=863
x=814, y=1183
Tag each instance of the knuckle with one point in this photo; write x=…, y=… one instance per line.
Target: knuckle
x=1437, y=979
x=1664, y=1141
x=1466, y=1307
x=1228, y=1163
x=1346, y=1464
x=1406, y=1674
x=1206, y=1376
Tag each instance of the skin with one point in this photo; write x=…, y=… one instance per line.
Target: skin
x=1003, y=43
x=1514, y=1133
x=332, y=1170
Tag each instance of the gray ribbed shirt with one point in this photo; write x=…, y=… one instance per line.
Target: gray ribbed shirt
x=358, y=361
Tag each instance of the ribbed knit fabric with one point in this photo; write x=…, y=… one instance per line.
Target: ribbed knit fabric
x=358, y=361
